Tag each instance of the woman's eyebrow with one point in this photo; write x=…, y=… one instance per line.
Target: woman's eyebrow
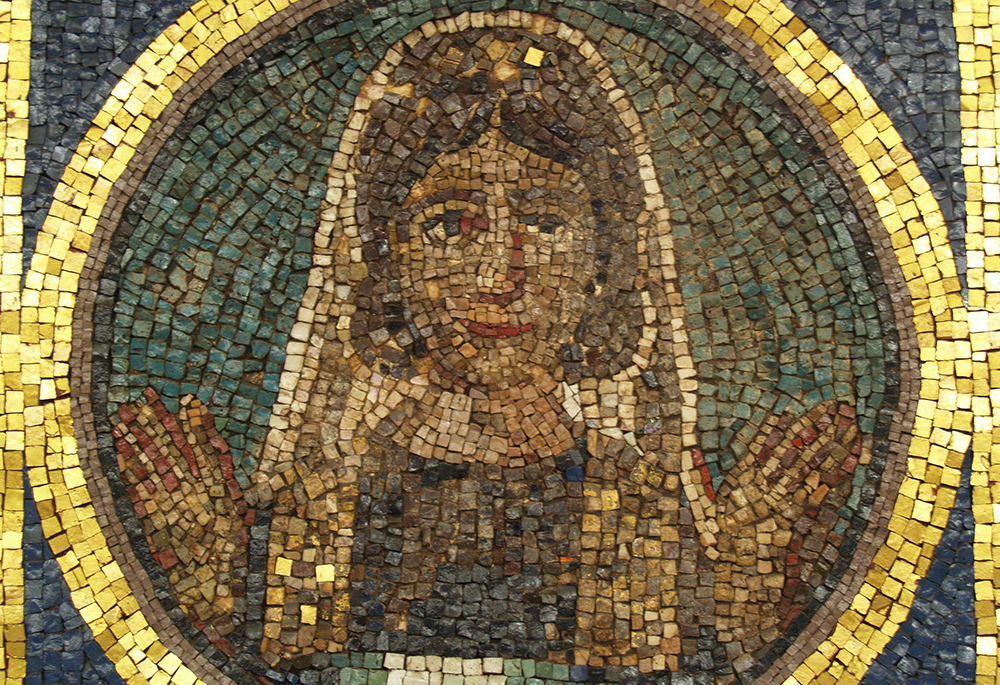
x=546, y=222
x=436, y=193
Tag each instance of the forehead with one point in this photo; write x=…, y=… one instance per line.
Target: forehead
x=493, y=162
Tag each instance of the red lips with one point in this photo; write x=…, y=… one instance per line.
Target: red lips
x=495, y=331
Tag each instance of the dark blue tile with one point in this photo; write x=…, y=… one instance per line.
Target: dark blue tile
x=55, y=633
x=936, y=642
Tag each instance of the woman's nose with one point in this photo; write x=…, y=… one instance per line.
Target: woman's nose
x=501, y=274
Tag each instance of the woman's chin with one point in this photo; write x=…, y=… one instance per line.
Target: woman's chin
x=490, y=379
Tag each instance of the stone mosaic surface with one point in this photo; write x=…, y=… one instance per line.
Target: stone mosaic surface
x=938, y=642
x=907, y=54
x=79, y=52
x=185, y=468
x=692, y=410
x=60, y=648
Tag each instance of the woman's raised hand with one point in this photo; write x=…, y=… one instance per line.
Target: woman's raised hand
x=180, y=480
x=777, y=511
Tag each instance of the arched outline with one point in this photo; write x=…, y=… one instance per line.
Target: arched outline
x=902, y=200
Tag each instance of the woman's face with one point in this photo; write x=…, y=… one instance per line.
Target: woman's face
x=493, y=249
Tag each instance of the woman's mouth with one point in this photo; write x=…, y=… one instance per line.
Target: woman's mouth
x=487, y=330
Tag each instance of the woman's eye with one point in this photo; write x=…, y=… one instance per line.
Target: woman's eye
x=446, y=225
x=546, y=223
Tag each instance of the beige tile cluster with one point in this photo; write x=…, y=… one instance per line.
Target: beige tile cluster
x=435, y=670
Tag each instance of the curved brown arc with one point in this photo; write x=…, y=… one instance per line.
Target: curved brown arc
x=825, y=618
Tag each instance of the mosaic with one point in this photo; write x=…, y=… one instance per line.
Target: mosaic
x=198, y=391
x=545, y=349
